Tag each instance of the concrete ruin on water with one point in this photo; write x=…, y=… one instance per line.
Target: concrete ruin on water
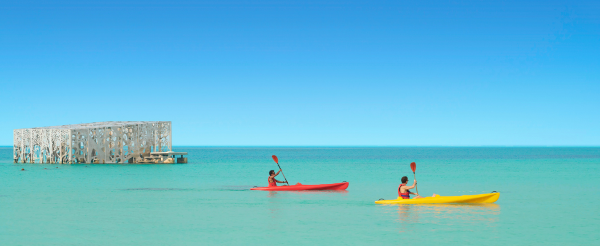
x=99, y=142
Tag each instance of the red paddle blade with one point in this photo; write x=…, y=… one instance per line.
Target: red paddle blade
x=413, y=166
x=275, y=159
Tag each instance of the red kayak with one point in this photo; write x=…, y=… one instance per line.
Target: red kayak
x=297, y=187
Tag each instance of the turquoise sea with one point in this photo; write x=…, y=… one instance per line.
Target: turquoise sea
x=549, y=196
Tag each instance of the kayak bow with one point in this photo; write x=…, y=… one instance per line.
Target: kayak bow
x=481, y=198
x=298, y=187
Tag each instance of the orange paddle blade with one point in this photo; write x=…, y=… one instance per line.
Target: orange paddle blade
x=275, y=159
x=413, y=166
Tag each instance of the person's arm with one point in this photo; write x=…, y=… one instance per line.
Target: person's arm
x=279, y=181
x=413, y=186
x=277, y=172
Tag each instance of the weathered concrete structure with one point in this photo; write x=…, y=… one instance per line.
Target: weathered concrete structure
x=100, y=142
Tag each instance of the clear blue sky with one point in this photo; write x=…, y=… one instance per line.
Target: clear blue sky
x=457, y=73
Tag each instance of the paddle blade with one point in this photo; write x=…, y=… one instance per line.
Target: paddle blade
x=275, y=159
x=413, y=166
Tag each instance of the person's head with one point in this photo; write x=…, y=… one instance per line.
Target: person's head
x=271, y=172
x=404, y=179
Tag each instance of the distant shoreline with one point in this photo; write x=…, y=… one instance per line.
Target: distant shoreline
x=357, y=146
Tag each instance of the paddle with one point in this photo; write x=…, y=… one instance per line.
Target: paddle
x=413, y=166
x=277, y=161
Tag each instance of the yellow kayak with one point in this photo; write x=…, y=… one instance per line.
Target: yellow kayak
x=481, y=198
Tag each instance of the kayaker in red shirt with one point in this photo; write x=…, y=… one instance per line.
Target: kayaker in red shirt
x=404, y=190
x=272, y=180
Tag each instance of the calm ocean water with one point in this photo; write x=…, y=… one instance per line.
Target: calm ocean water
x=549, y=196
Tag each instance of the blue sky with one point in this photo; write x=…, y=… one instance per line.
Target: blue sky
x=399, y=73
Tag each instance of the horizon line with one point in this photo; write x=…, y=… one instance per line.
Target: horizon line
x=379, y=146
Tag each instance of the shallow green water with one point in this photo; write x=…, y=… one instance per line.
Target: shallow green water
x=549, y=196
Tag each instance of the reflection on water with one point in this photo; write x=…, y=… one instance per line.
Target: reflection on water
x=467, y=212
x=272, y=194
x=274, y=207
x=156, y=189
x=444, y=214
x=307, y=192
x=320, y=191
x=283, y=199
